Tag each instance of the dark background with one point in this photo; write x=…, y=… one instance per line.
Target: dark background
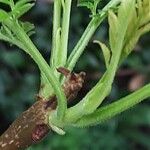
x=19, y=82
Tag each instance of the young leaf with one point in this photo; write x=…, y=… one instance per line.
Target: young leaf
x=5, y=31
x=5, y=2
x=3, y=15
x=106, y=52
x=113, y=22
x=86, y=3
x=90, y=4
x=7, y=36
x=21, y=3
x=95, y=97
x=145, y=12
x=19, y=11
x=28, y=27
x=117, y=22
x=139, y=24
x=19, y=8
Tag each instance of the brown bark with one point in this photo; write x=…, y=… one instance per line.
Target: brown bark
x=32, y=125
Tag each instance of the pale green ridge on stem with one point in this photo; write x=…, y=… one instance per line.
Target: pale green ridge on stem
x=47, y=90
x=88, y=33
x=109, y=111
x=60, y=43
x=95, y=97
x=40, y=61
x=60, y=34
x=56, y=26
x=62, y=56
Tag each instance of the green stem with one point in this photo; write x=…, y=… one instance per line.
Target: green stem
x=84, y=40
x=95, y=97
x=44, y=67
x=11, y=4
x=56, y=27
x=46, y=91
x=109, y=111
x=79, y=48
x=65, y=32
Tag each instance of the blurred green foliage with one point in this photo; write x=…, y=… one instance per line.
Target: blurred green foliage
x=19, y=83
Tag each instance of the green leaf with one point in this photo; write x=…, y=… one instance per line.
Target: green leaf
x=100, y=91
x=19, y=11
x=106, y=52
x=117, y=22
x=5, y=2
x=144, y=12
x=113, y=22
x=28, y=27
x=88, y=33
x=3, y=15
x=20, y=7
x=87, y=3
x=21, y=3
x=8, y=36
x=90, y=4
x=139, y=25
x=5, y=31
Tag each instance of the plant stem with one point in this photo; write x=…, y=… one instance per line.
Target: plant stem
x=56, y=26
x=91, y=28
x=109, y=111
x=46, y=91
x=95, y=97
x=90, y=102
x=21, y=133
x=34, y=124
x=65, y=32
x=60, y=44
x=79, y=48
x=44, y=67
